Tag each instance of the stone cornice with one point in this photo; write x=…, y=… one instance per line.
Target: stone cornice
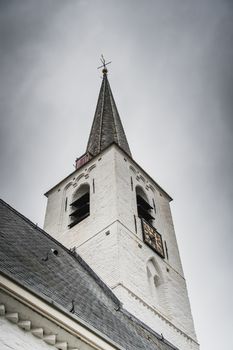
x=75, y=327
x=157, y=313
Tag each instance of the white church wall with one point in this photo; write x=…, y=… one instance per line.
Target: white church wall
x=127, y=207
x=102, y=254
x=14, y=338
x=113, y=247
x=173, y=301
x=155, y=321
x=102, y=202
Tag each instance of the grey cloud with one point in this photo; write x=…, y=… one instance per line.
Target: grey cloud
x=172, y=80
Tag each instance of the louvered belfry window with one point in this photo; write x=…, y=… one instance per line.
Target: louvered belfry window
x=80, y=207
x=143, y=207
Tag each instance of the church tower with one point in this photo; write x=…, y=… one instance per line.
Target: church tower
x=118, y=220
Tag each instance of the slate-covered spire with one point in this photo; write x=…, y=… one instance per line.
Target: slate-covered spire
x=107, y=127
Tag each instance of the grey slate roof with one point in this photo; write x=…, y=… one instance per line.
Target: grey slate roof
x=107, y=127
x=66, y=281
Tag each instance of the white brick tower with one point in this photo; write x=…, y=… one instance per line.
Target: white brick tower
x=119, y=220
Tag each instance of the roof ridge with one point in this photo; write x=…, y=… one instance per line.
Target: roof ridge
x=112, y=103
x=32, y=223
x=102, y=111
x=135, y=326
x=147, y=328
x=71, y=252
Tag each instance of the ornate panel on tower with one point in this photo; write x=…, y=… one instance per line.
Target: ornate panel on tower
x=152, y=238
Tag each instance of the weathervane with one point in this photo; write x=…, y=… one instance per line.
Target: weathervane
x=104, y=64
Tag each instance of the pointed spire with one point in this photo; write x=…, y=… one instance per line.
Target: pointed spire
x=107, y=127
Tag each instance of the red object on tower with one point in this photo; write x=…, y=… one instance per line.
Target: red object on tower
x=82, y=160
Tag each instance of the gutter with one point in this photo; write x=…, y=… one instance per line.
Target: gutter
x=54, y=312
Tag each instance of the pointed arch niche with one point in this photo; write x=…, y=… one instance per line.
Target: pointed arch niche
x=155, y=283
x=80, y=205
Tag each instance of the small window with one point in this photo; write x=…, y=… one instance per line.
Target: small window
x=80, y=206
x=144, y=208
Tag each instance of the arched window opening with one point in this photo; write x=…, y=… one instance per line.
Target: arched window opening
x=80, y=206
x=144, y=208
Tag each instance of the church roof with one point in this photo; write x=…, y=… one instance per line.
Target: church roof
x=107, y=127
x=40, y=264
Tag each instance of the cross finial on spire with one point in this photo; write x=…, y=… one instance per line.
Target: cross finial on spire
x=104, y=64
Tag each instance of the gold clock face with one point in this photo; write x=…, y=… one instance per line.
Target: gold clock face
x=152, y=238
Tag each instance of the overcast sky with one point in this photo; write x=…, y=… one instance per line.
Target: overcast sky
x=172, y=79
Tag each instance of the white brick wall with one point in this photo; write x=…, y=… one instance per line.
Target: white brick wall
x=102, y=202
x=121, y=263
x=155, y=321
x=14, y=338
x=117, y=257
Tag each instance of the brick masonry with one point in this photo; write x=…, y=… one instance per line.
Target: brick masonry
x=19, y=339
x=111, y=244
